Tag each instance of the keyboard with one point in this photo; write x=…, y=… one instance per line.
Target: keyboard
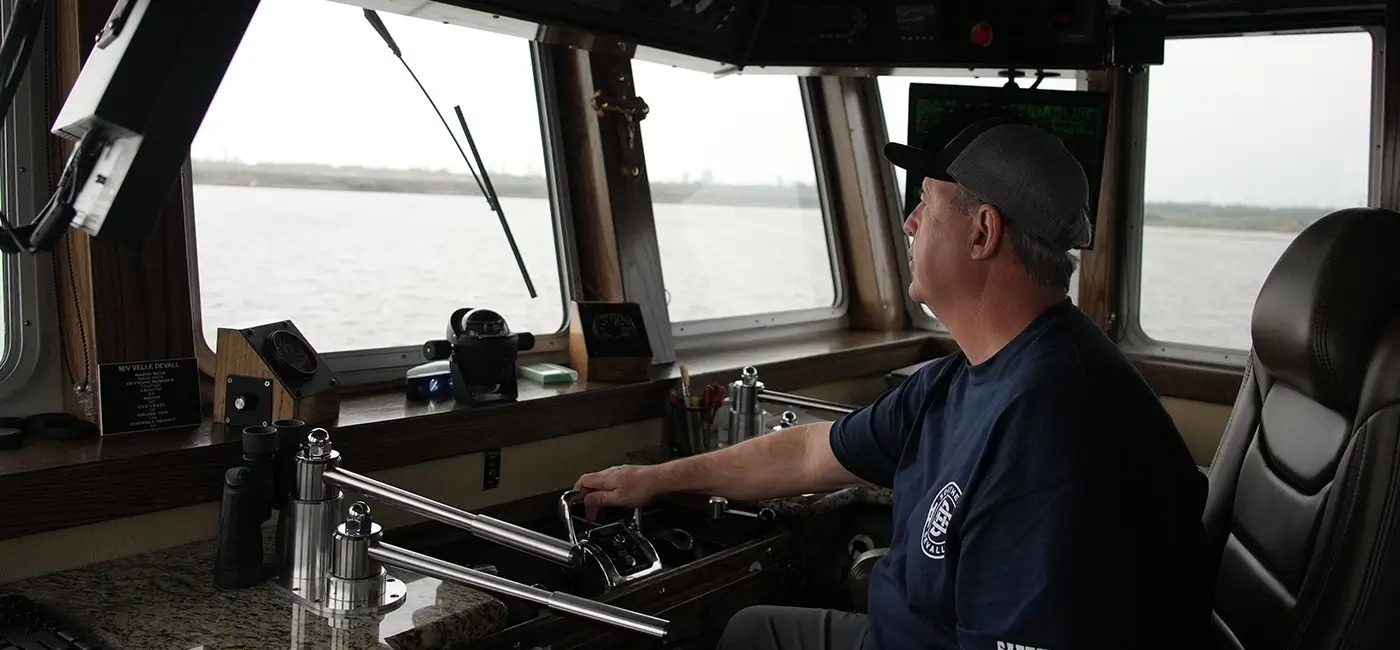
x=24, y=625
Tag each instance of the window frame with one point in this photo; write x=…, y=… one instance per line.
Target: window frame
x=374, y=365
x=894, y=195
x=711, y=330
x=1134, y=339
x=25, y=177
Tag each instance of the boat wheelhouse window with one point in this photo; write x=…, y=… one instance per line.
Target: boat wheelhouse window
x=7, y=305
x=737, y=203
x=894, y=103
x=1249, y=140
x=24, y=189
x=326, y=190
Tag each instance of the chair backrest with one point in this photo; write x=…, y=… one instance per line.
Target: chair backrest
x=1303, y=516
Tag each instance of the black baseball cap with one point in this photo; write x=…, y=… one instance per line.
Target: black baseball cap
x=1023, y=170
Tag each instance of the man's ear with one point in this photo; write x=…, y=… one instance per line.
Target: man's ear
x=987, y=232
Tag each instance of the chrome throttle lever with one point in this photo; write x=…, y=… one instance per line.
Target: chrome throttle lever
x=619, y=550
x=566, y=501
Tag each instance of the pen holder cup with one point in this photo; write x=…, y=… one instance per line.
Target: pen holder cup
x=690, y=431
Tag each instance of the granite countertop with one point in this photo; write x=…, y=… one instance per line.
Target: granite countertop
x=807, y=505
x=166, y=600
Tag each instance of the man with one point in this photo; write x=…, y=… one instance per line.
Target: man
x=1043, y=498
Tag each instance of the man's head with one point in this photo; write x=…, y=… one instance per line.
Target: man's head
x=999, y=210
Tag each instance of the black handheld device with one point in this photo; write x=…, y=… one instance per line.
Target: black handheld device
x=246, y=506
x=238, y=559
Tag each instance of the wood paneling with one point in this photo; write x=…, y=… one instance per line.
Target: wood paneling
x=51, y=484
x=874, y=288
x=599, y=268
x=1184, y=381
x=239, y=359
x=619, y=257
x=72, y=264
x=1101, y=268
x=117, y=303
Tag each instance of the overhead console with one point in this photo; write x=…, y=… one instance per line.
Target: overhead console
x=1078, y=34
x=719, y=30
x=894, y=33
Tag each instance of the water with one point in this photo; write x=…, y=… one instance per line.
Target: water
x=357, y=270
x=1199, y=284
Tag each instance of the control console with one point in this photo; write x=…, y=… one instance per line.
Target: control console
x=1034, y=34
x=710, y=29
x=24, y=624
x=1000, y=33
x=617, y=552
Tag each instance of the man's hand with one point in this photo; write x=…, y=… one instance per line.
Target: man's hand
x=623, y=486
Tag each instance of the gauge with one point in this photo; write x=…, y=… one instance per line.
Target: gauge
x=289, y=351
x=614, y=326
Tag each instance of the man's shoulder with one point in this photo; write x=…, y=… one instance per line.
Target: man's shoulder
x=932, y=372
x=1074, y=358
x=1074, y=378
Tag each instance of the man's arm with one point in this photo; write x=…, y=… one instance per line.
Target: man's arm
x=862, y=447
x=790, y=461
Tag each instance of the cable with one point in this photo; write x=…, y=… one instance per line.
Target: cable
x=57, y=213
x=29, y=16
x=20, y=35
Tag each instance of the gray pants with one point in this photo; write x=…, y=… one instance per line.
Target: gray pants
x=765, y=627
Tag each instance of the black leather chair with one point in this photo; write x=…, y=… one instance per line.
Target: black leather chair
x=1303, y=516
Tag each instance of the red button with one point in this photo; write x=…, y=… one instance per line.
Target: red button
x=982, y=34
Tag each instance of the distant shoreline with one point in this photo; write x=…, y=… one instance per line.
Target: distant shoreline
x=797, y=195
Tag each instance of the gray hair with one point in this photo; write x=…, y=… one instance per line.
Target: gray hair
x=1043, y=261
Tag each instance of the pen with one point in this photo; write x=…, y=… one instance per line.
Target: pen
x=685, y=387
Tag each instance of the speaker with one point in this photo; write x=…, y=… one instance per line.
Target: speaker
x=267, y=373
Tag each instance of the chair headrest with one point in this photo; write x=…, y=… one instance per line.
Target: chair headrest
x=1325, y=302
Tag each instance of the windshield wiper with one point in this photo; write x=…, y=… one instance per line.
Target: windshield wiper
x=486, y=189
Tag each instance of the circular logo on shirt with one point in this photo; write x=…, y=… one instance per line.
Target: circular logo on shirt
x=934, y=541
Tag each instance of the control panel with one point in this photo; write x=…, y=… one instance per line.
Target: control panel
x=623, y=548
x=24, y=624
x=864, y=33
x=615, y=553
x=711, y=29
x=1008, y=33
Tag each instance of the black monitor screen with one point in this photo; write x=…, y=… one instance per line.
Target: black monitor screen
x=937, y=113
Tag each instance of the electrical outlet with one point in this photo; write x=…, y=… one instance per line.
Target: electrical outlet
x=491, y=472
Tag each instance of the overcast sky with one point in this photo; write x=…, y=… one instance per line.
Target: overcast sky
x=1284, y=121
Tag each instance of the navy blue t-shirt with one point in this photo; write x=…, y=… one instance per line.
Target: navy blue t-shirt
x=1043, y=499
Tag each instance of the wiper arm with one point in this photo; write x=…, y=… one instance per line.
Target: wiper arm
x=491, y=198
x=486, y=189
